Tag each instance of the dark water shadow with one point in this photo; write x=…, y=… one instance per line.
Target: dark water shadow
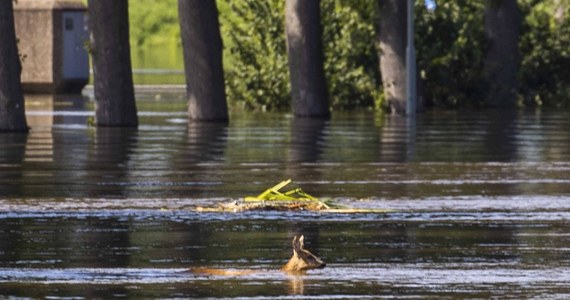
x=12, y=156
x=397, y=139
x=201, y=150
x=108, y=161
x=13, y=148
x=205, y=142
x=500, y=139
x=308, y=140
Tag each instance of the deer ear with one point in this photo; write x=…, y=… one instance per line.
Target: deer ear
x=297, y=243
x=302, y=242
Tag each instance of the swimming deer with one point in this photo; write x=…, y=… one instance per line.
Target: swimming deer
x=301, y=261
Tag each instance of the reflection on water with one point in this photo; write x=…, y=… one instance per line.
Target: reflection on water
x=308, y=140
x=148, y=256
x=206, y=143
x=162, y=64
x=476, y=204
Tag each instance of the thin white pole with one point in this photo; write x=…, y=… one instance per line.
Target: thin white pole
x=410, y=64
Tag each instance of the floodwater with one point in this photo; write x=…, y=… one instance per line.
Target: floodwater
x=476, y=204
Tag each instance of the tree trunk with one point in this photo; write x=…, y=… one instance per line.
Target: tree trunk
x=112, y=71
x=305, y=52
x=392, y=40
x=12, y=111
x=202, y=43
x=559, y=9
x=502, y=29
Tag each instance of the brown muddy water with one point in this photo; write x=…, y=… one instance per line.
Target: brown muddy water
x=477, y=204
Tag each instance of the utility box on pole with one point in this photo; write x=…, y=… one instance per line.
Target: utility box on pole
x=52, y=35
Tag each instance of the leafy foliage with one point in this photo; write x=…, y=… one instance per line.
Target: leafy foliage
x=450, y=42
x=257, y=75
x=351, y=58
x=153, y=21
x=545, y=70
x=451, y=47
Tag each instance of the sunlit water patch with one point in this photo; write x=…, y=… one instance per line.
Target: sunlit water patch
x=358, y=281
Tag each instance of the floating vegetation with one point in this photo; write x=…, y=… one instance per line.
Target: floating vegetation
x=274, y=199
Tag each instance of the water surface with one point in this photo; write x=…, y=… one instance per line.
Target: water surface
x=476, y=204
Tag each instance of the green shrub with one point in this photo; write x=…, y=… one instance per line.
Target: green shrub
x=450, y=52
x=545, y=43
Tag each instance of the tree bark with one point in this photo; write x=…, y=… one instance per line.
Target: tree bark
x=559, y=8
x=392, y=40
x=502, y=29
x=305, y=52
x=202, y=46
x=12, y=110
x=112, y=71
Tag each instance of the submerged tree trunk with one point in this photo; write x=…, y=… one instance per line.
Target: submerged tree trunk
x=305, y=52
x=392, y=41
x=12, y=111
x=502, y=29
x=202, y=43
x=112, y=72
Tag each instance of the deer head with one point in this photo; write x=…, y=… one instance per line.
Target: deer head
x=302, y=259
